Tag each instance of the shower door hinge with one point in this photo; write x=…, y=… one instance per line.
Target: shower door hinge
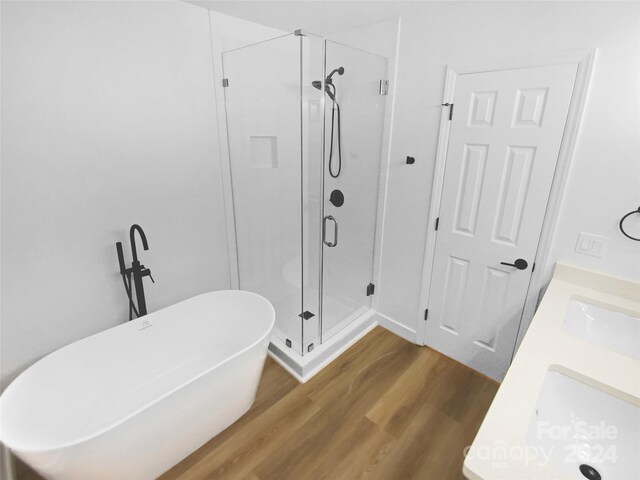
x=306, y=315
x=225, y=82
x=298, y=33
x=450, y=105
x=437, y=222
x=426, y=314
x=384, y=87
x=371, y=288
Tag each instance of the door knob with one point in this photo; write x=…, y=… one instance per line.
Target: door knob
x=520, y=264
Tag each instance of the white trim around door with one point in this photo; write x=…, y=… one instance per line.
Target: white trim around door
x=584, y=60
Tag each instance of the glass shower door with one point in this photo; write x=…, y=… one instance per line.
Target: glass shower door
x=355, y=122
x=274, y=123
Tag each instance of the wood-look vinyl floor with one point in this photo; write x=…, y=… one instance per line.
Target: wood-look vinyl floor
x=386, y=409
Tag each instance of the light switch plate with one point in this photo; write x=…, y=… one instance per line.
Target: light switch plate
x=590, y=244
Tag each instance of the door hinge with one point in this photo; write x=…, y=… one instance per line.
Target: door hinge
x=426, y=314
x=437, y=222
x=384, y=87
x=450, y=105
x=225, y=82
x=371, y=288
x=306, y=315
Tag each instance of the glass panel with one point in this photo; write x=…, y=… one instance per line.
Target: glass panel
x=351, y=176
x=264, y=128
x=312, y=124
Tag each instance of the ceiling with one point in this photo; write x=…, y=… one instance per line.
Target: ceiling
x=319, y=17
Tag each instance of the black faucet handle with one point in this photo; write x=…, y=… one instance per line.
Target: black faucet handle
x=145, y=272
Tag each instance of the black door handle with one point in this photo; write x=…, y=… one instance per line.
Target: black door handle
x=520, y=264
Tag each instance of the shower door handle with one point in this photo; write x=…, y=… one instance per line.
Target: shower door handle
x=324, y=231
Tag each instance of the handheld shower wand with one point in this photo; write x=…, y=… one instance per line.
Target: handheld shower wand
x=339, y=71
x=330, y=90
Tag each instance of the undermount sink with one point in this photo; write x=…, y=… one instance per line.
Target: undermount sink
x=580, y=429
x=612, y=330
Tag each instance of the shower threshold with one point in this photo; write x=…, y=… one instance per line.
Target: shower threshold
x=303, y=367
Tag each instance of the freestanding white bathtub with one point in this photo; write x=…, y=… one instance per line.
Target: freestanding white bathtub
x=132, y=401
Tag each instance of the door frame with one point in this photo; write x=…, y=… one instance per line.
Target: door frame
x=584, y=60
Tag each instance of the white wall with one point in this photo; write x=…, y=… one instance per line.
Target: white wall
x=230, y=32
x=108, y=119
x=605, y=175
x=379, y=38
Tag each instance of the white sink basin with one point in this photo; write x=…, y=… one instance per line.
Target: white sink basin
x=576, y=424
x=612, y=330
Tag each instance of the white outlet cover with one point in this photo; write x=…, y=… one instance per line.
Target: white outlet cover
x=590, y=244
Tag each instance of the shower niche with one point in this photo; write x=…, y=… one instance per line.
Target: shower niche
x=305, y=117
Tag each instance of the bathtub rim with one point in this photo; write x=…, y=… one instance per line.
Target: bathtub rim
x=113, y=425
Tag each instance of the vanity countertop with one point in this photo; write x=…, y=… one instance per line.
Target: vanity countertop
x=499, y=449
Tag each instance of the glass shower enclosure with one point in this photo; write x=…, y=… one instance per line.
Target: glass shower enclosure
x=305, y=121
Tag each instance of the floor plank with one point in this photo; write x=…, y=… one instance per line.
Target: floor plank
x=397, y=407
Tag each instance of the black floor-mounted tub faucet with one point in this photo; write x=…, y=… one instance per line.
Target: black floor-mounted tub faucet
x=135, y=273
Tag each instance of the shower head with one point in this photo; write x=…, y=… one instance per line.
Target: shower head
x=327, y=81
x=318, y=85
x=339, y=71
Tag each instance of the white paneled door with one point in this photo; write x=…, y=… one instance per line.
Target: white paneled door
x=504, y=141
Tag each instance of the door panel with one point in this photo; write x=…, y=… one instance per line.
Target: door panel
x=503, y=147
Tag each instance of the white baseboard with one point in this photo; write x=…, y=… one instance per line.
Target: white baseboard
x=394, y=327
